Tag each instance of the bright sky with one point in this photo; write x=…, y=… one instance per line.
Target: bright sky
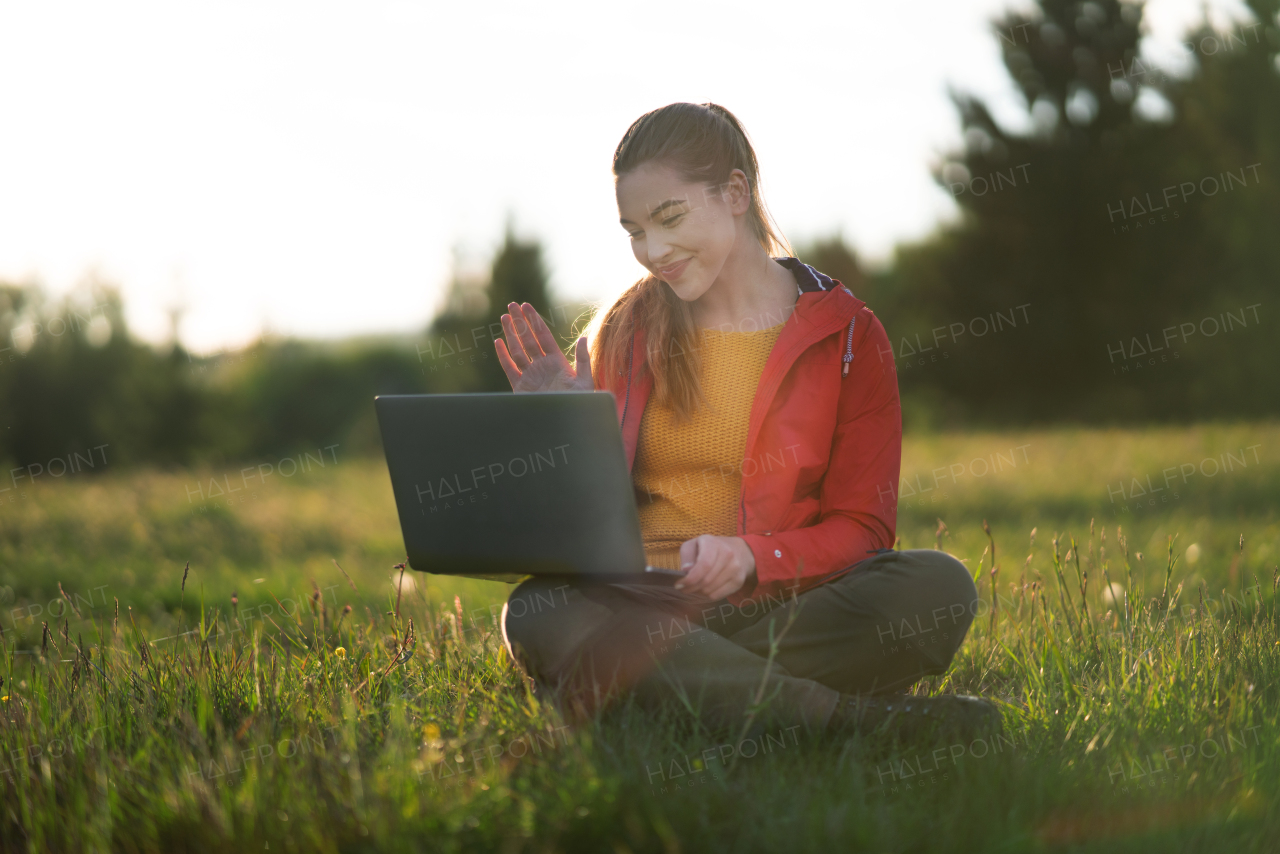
x=309, y=167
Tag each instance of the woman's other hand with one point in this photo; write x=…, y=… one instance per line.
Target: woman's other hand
x=716, y=566
x=531, y=358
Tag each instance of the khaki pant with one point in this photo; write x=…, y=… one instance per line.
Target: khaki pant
x=879, y=628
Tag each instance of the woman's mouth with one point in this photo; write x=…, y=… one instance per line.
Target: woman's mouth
x=673, y=271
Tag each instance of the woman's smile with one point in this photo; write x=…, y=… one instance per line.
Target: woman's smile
x=673, y=271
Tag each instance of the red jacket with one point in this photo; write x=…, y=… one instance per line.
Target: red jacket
x=824, y=449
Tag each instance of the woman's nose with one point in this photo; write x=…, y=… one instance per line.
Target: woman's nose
x=659, y=250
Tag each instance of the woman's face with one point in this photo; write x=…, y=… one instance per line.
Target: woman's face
x=681, y=232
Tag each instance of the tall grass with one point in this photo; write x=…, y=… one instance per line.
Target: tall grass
x=1139, y=693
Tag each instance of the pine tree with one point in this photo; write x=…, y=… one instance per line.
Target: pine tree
x=1068, y=220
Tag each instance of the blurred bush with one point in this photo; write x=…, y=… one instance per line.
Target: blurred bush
x=72, y=380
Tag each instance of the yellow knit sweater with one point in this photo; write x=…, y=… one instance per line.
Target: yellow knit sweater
x=687, y=479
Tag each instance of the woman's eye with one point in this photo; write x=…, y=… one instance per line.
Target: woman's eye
x=671, y=220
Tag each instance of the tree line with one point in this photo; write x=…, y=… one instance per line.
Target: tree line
x=1113, y=262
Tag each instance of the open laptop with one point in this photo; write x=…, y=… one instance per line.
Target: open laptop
x=503, y=485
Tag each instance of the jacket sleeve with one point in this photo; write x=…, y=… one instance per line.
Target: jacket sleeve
x=858, y=496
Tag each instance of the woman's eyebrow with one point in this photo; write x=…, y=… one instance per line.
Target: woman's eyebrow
x=653, y=214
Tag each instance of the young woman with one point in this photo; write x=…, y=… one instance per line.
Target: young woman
x=764, y=435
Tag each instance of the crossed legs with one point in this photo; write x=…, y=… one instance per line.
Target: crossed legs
x=890, y=621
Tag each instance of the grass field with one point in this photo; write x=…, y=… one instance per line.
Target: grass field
x=1140, y=704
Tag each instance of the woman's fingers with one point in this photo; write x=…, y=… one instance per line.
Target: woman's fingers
x=528, y=341
x=541, y=332
x=689, y=563
x=708, y=563
x=712, y=568
x=508, y=366
x=528, y=333
x=514, y=346
x=713, y=585
x=582, y=364
x=524, y=317
x=720, y=577
x=694, y=583
x=722, y=591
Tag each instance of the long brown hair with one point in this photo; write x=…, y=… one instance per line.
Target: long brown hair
x=703, y=143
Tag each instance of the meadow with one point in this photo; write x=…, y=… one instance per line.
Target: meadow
x=222, y=660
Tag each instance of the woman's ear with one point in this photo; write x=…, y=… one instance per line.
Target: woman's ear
x=738, y=192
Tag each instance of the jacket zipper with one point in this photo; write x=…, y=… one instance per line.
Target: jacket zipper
x=848, y=346
x=844, y=372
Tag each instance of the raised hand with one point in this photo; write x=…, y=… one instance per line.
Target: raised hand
x=531, y=358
